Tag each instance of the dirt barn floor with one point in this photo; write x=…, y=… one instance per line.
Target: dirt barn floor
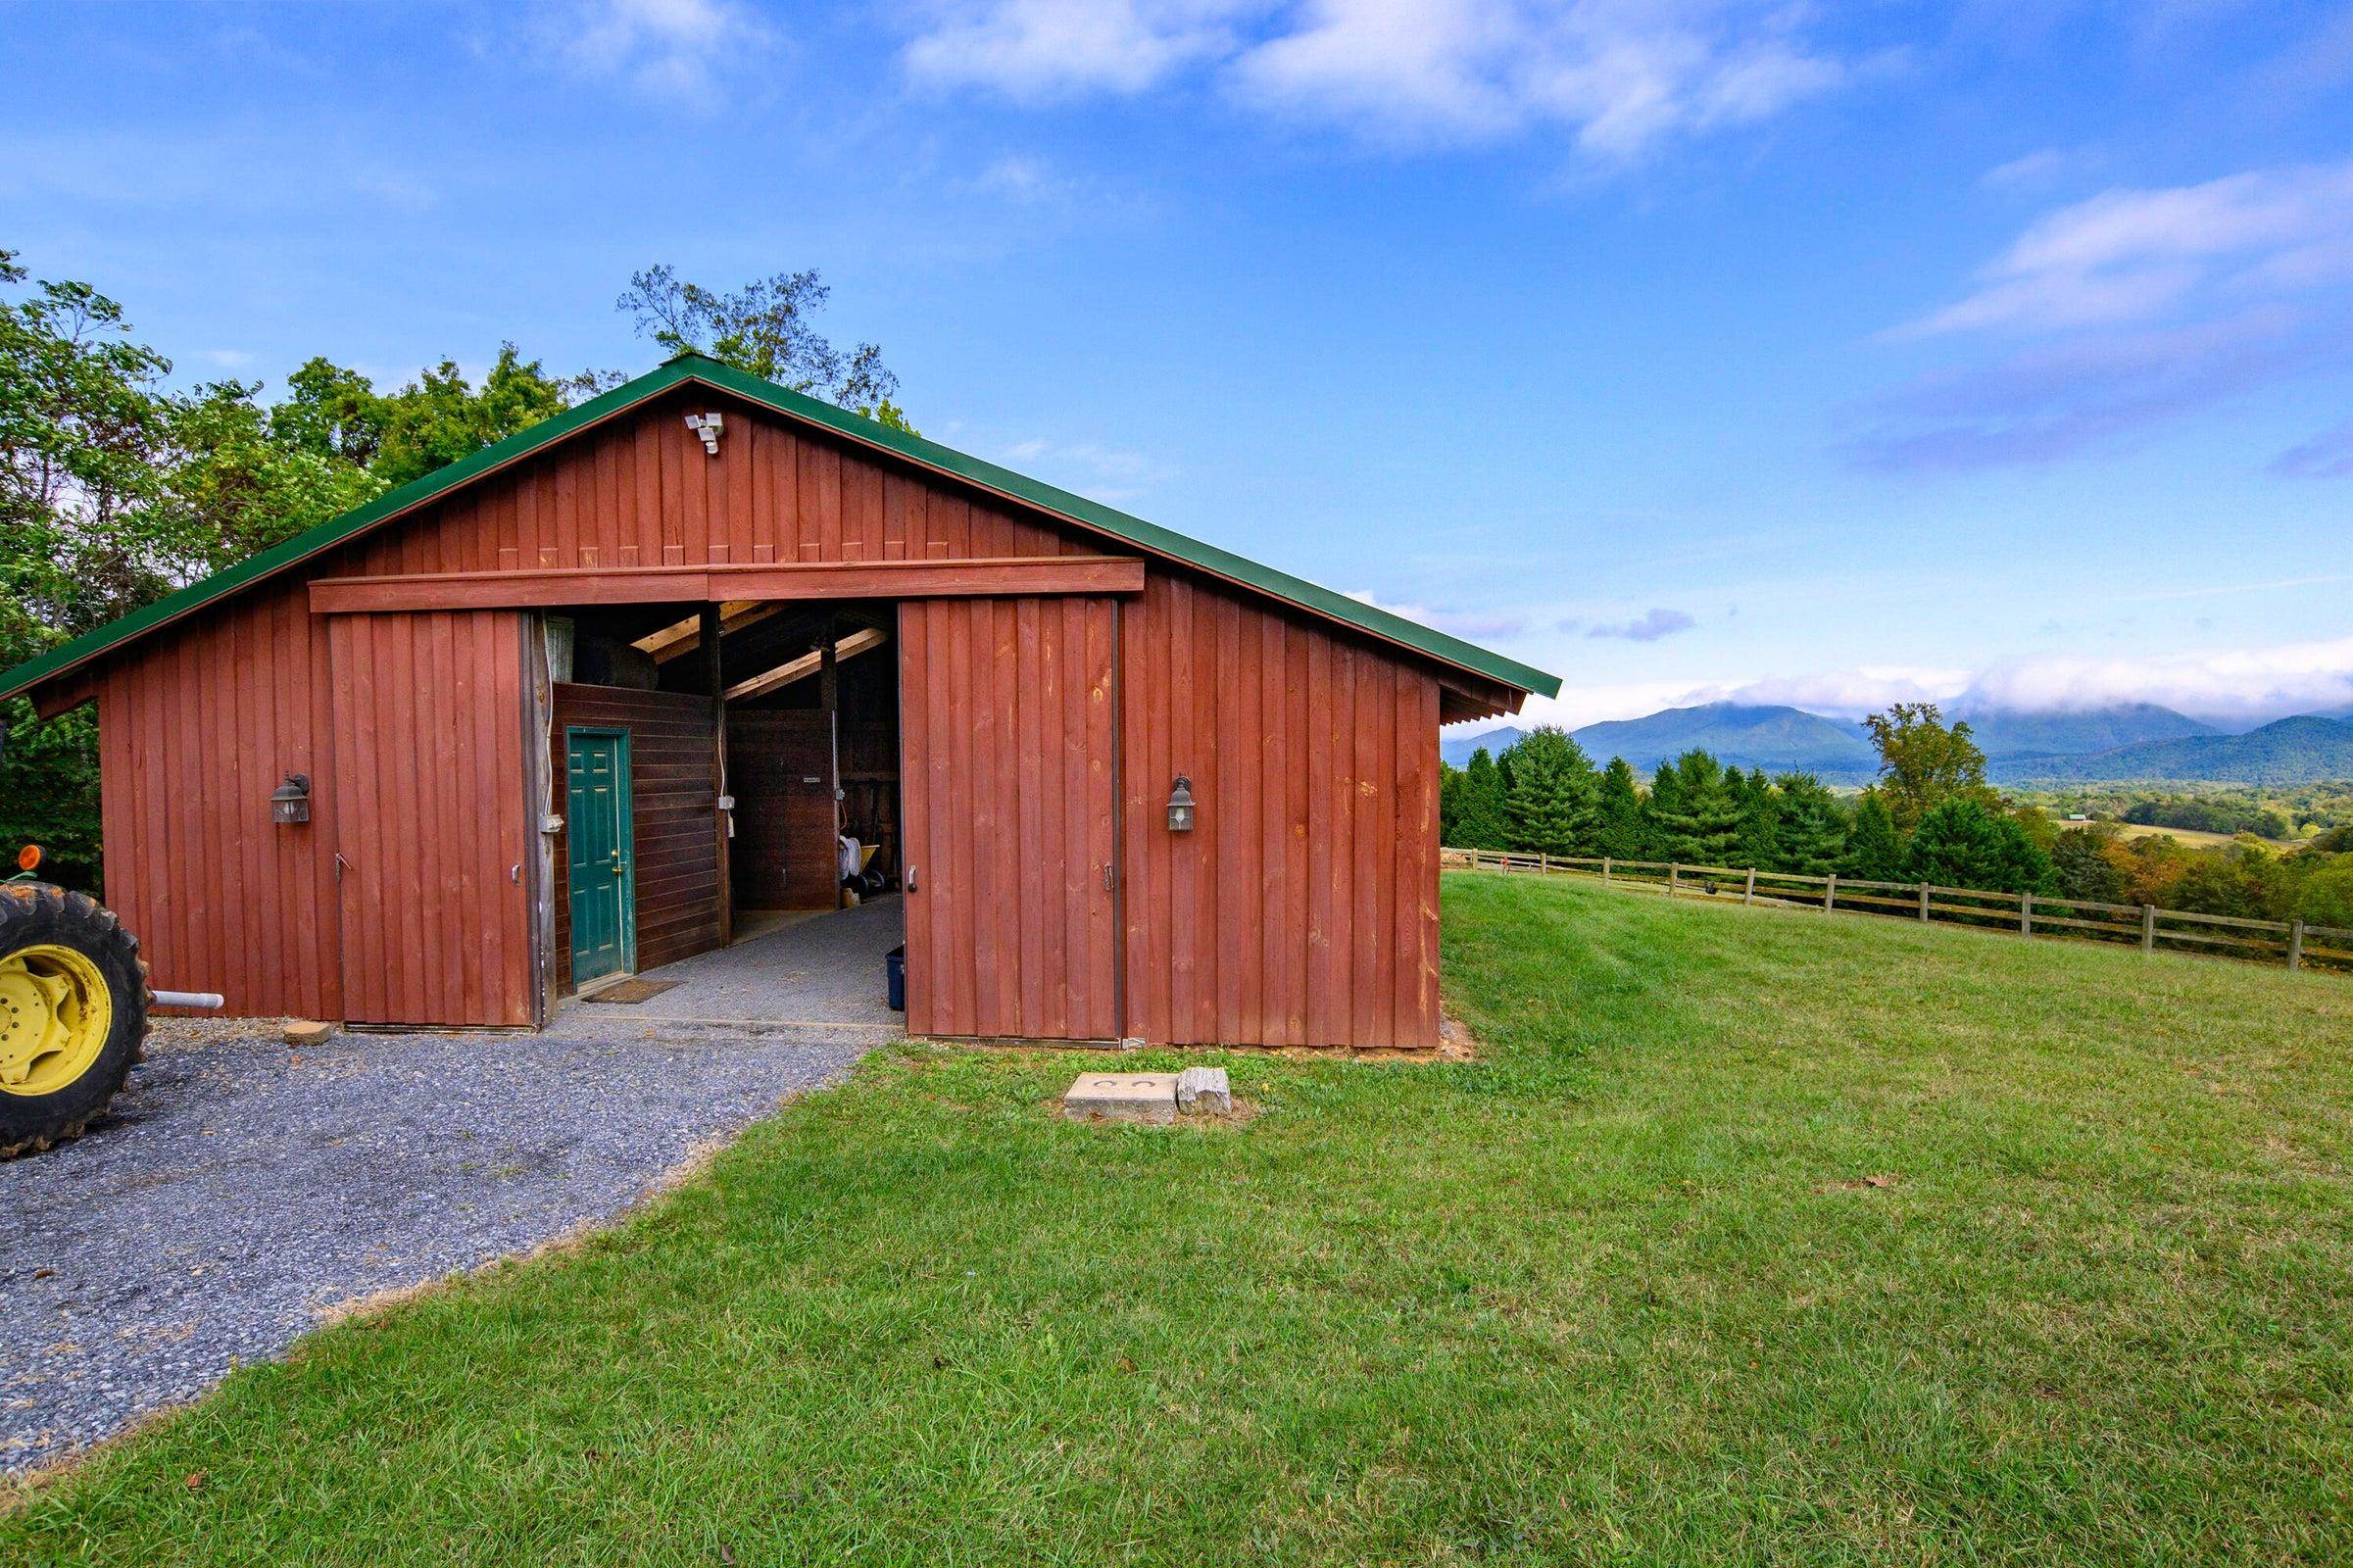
x=241, y=1190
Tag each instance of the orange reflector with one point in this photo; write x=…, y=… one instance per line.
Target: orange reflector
x=29, y=857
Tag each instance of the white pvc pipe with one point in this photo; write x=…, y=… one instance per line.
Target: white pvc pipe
x=187, y=999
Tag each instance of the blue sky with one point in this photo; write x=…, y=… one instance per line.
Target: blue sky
x=1823, y=354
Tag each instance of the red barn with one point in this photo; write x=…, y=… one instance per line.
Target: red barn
x=565, y=707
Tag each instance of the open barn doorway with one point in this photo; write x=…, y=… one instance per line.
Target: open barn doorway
x=761, y=794
x=812, y=762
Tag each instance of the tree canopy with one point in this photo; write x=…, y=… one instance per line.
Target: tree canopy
x=1923, y=762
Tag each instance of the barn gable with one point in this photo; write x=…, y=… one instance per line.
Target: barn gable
x=1003, y=502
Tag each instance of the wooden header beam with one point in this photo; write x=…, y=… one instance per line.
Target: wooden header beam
x=550, y=589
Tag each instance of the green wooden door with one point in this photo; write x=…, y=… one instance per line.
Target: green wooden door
x=599, y=858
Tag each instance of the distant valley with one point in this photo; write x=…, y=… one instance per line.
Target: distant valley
x=2116, y=744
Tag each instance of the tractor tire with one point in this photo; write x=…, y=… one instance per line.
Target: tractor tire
x=72, y=1013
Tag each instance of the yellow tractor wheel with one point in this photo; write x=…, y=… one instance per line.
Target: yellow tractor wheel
x=72, y=1013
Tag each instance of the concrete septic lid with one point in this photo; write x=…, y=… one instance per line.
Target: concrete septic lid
x=1146, y=1096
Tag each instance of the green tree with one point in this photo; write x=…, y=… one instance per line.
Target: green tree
x=764, y=328
x=1660, y=807
x=1923, y=762
x=1760, y=825
x=2086, y=868
x=2327, y=897
x=1550, y=793
x=1700, y=822
x=83, y=428
x=441, y=418
x=1480, y=822
x=1960, y=844
x=1618, y=813
x=232, y=488
x=1813, y=829
x=1873, y=849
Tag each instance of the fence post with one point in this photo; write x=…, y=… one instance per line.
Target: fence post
x=1748, y=893
x=1674, y=876
x=1544, y=859
x=1605, y=869
x=1924, y=901
x=1830, y=894
x=2295, y=947
x=2026, y=914
x=2148, y=928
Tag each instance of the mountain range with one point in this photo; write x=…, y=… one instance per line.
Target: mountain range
x=2122, y=742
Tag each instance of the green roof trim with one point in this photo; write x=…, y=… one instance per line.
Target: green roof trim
x=686, y=367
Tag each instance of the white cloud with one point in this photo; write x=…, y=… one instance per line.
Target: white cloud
x=1033, y=49
x=1648, y=628
x=2326, y=456
x=1616, y=75
x=1469, y=623
x=2231, y=685
x=665, y=48
x=2128, y=255
x=1114, y=475
x=2234, y=683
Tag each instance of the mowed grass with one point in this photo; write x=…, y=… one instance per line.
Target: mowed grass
x=1620, y=1290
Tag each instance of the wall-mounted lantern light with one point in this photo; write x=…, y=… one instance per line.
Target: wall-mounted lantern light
x=1180, y=805
x=290, y=802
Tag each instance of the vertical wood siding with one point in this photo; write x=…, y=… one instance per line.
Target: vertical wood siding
x=1005, y=713
x=435, y=833
x=673, y=817
x=193, y=734
x=641, y=492
x=1302, y=908
x=785, y=855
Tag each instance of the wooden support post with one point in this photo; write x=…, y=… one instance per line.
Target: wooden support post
x=829, y=699
x=1674, y=876
x=723, y=817
x=2148, y=928
x=1748, y=892
x=1543, y=861
x=1605, y=869
x=2026, y=914
x=1830, y=894
x=2295, y=947
x=1924, y=901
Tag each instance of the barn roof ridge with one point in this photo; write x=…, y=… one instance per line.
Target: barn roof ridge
x=682, y=368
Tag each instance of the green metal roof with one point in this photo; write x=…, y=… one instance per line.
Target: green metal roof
x=688, y=368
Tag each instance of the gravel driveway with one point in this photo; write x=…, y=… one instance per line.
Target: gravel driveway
x=242, y=1188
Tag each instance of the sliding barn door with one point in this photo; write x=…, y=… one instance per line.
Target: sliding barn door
x=433, y=825
x=1005, y=713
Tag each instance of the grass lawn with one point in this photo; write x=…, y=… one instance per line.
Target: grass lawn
x=1617, y=1290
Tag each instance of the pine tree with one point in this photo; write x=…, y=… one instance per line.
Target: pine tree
x=1660, y=807
x=1618, y=813
x=1700, y=825
x=1813, y=830
x=1959, y=843
x=1761, y=829
x=1479, y=821
x=1550, y=797
x=1873, y=852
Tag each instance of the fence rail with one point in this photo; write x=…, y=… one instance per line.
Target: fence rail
x=2294, y=943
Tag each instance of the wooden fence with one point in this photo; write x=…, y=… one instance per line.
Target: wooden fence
x=2144, y=925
